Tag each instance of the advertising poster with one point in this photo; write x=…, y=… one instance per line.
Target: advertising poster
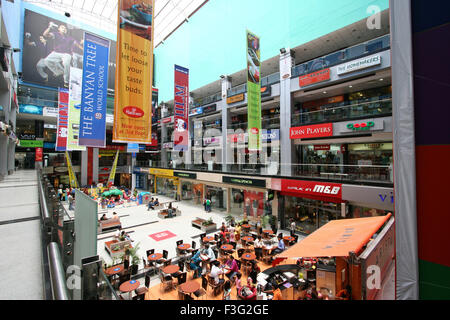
x=39, y=153
x=254, y=92
x=94, y=92
x=51, y=47
x=134, y=72
x=76, y=76
x=63, y=119
x=181, y=101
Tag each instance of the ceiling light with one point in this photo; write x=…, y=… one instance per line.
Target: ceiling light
x=324, y=92
x=381, y=79
x=350, y=86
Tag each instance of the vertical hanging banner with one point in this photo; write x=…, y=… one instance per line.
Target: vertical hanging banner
x=63, y=119
x=72, y=178
x=181, y=106
x=94, y=91
x=112, y=174
x=134, y=72
x=76, y=77
x=253, y=92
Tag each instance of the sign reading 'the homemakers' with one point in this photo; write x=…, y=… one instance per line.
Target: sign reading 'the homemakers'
x=314, y=131
x=359, y=64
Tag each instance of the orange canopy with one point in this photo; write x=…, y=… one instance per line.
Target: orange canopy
x=336, y=239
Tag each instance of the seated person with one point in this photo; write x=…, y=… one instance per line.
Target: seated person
x=103, y=218
x=170, y=211
x=255, y=270
x=126, y=236
x=115, y=216
x=156, y=203
x=233, y=266
x=195, y=264
x=281, y=246
x=344, y=294
x=150, y=205
x=216, y=272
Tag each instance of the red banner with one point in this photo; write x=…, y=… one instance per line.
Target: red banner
x=181, y=101
x=39, y=152
x=63, y=119
x=314, y=131
x=325, y=191
x=315, y=77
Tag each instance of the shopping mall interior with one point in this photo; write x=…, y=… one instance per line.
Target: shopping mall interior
x=224, y=150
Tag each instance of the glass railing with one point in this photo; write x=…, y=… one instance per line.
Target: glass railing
x=207, y=100
x=105, y=290
x=342, y=56
x=269, y=80
x=356, y=173
x=348, y=112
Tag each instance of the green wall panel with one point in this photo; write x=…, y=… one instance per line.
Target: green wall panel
x=213, y=43
x=434, y=281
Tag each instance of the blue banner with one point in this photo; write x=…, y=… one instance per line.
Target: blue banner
x=94, y=93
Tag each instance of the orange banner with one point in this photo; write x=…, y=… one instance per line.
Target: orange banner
x=134, y=72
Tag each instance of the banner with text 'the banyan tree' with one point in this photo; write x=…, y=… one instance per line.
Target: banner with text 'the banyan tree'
x=134, y=70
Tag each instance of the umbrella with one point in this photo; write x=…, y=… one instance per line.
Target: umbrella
x=116, y=192
x=106, y=193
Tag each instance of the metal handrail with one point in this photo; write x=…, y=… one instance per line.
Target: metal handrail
x=57, y=275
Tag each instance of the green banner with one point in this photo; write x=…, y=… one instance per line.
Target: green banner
x=253, y=92
x=31, y=143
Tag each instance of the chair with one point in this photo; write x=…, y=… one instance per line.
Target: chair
x=143, y=290
x=179, y=242
x=240, y=252
x=247, y=267
x=239, y=263
x=188, y=266
x=181, y=265
x=182, y=278
x=194, y=245
x=217, y=288
x=146, y=265
x=167, y=263
x=166, y=280
x=203, y=291
x=150, y=252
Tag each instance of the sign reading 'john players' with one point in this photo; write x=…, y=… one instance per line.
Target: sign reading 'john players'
x=93, y=98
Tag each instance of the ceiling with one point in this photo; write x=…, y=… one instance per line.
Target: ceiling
x=102, y=14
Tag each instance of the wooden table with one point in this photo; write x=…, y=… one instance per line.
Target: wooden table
x=184, y=246
x=129, y=286
x=114, y=270
x=289, y=238
x=189, y=286
x=171, y=269
x=248, y=239
x=227, y=247
x=155, y=257
x=248, y=256
x=246, y=226
x=208, y=239
x=268, y=232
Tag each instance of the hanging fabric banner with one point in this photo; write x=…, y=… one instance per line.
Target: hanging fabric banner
x=63, y=119
x=134, y=72
x=94, y=91
x=112, y=174
x=76, y=76
x=181, y=101
x=72, y=178
x=253, y=92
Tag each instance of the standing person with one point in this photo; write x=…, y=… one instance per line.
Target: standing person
x=70, y=198
x=293, y=227
x=208, y=205
x=227, y=290
x=60, y=193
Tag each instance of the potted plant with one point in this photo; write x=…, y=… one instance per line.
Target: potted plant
x=229, y=218
x=132, y=252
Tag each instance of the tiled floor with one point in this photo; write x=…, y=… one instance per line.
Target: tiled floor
x=20, y=238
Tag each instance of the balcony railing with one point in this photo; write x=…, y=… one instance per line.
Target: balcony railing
x=348, y=112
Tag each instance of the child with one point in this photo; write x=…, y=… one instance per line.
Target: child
x=227, y=290
x=238, y=283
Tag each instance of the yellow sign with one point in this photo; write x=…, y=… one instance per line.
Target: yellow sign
x=112, y=175
x=236, y=98
x=134, y=72
x=72, y=178
x=161, y=172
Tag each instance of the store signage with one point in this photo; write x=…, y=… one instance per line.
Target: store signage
x=359, y=64
x=266, y=91
x=24, y=136
x=132, y=147
x=212, y=140
x=28, y=108
x=314, y=131
x=161, y=172
x=31, y=143
x=270, y=135
x=49, y=145
x=315, y=77
x=210, y=108
x=237, y=137
x=319, y=147
x=196, y=111
x=50, y=112
x=244, y=181
x=358, y=126
x=330, y=191
x=185, y=175
x=167, y=120
x=236, y=98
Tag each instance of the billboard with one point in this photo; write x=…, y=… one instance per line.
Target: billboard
x=134, y=73
x=63, y=119
x=51, y=47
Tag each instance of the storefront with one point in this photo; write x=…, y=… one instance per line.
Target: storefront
x=310, y=204
x=191, y=191
x=165, y=183
x=366, y=201
x=218, y=196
